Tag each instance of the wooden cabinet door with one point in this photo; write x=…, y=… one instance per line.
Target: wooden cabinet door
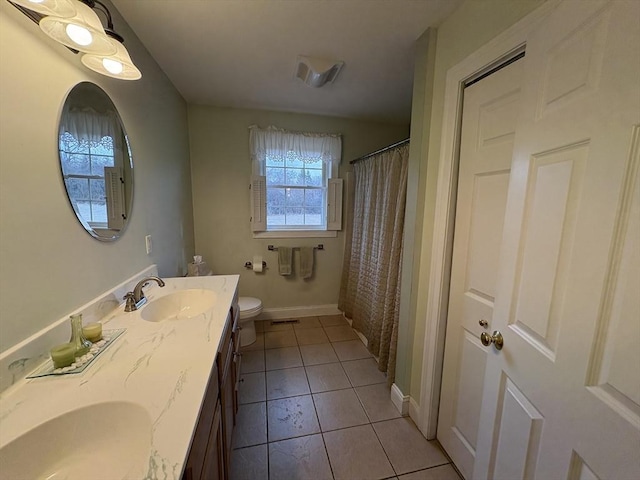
x=235, y=367
x=228, y=413
x=214, y=465
x=198, y=452
x=226, y=371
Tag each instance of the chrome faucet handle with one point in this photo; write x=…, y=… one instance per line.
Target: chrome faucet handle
x=131, y=302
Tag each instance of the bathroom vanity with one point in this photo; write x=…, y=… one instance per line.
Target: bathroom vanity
x=210, y=452
x=160, y=402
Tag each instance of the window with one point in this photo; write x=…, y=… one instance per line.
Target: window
x=295, y=188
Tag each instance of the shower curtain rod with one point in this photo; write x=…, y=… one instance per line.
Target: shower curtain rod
x=364, y=157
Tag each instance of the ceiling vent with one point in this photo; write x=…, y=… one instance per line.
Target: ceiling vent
x=317, y=72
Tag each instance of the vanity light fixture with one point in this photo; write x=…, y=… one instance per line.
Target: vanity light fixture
x=75, y=24
x=59, y=8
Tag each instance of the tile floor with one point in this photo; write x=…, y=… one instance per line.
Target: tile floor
x=313, y=405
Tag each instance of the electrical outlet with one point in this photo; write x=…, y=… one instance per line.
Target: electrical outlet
x=147, y=241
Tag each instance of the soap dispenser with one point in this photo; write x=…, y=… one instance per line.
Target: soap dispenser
x=77, y=337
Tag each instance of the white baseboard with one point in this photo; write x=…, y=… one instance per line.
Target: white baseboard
x=292, y=312
x=414, y=411
x=363, y=339
x=400, y=401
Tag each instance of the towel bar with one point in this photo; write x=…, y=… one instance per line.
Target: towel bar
x=271, y=248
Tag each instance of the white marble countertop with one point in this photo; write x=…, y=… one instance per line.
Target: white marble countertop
x=163, y=367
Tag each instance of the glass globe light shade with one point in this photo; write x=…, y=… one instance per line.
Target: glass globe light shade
x=117, y=65
x=82, y=32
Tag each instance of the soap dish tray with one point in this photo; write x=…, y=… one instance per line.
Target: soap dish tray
x=47, y=369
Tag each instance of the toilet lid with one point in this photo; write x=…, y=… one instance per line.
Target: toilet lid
x=249, y=305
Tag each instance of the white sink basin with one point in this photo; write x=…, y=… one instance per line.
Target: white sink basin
x=179, y=305
x=104, y=440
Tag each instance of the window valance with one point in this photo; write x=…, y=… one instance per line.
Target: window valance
x=279, y=144
x=86, y=125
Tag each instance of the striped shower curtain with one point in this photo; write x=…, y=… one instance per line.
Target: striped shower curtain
x=370, y=286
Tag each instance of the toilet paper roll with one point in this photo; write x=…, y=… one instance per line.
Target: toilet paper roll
x=257, y=263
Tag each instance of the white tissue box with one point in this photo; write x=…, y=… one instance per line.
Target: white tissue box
x=198, y=269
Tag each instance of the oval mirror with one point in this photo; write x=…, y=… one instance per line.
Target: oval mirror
x=96, y=161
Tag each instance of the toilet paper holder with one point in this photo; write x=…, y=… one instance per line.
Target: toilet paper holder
x=250, y=265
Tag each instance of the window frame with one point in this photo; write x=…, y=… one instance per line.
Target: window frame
x=274, y=146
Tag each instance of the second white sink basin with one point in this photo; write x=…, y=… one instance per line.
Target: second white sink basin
x=179, y=305
x=104, y=440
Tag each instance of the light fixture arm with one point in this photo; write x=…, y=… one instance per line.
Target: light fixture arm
x=101, y=7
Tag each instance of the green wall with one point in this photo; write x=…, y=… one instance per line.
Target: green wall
x=49, y=265
x=221, y=172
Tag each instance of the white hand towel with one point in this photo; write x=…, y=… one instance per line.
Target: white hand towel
x=284, y=260
x=306, y=262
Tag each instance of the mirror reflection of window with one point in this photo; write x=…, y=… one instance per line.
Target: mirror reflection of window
x=83, y=163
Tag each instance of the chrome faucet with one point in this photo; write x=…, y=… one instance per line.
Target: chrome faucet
x=136, y=299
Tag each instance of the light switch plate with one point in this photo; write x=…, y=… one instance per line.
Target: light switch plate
x=147, y=241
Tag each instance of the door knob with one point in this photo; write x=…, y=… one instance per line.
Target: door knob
x=496, y=339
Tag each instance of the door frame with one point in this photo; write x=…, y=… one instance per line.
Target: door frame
x=501, y=49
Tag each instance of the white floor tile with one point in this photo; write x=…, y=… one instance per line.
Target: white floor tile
x=323, y=378
x=318, y=354
x=250, y=463
x=406, y=448
x=289, y=382
x=287, y=357
x=251, y=425
x=339, y=409
x=363, y=372
x=291, y=417
x=356, y=453
x=252, y=388
x=303, y=458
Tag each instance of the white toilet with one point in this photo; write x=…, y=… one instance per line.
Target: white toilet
x=250, y=308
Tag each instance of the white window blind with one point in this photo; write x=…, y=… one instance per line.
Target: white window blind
x=258, y=203
x=114, y=190
x=334, y=204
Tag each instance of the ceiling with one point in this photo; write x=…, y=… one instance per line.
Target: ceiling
x=242, y=53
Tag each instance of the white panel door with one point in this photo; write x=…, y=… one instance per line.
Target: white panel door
x=561, y=400
x=489, y=118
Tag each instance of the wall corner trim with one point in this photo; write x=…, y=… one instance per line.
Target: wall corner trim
x=399, y=400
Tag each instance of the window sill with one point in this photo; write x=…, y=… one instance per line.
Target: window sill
x=296, y=234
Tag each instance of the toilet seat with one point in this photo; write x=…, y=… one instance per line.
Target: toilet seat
x=249, y=307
